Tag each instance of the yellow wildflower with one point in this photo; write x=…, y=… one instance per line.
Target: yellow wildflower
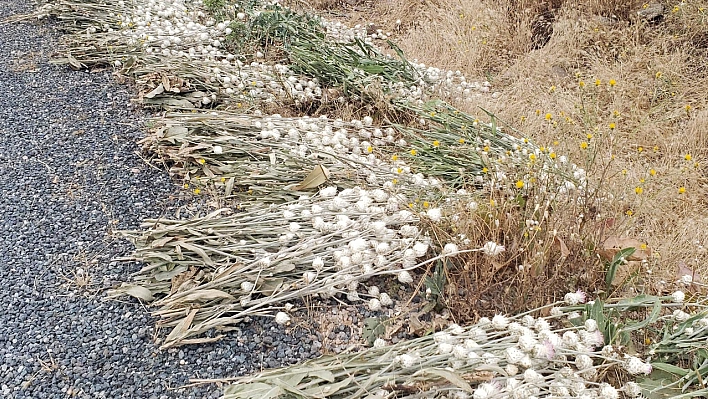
x=520, y=184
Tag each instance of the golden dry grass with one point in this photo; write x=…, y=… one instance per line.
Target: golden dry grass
x=634, y=90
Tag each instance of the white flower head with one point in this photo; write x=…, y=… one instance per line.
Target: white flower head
x=500, y=322
x=282, y=318
x=435, y=214
x=680, y=315
x=632, y=389
x=309, y=277
x=385, y=299
x=636, y=366
x=374, y=305
x=317, y=263
x=591, y=325
x=218, y=150
x=420, y=249
x=492, y=249
x=678, y=296
x=374, y=291
x=607, y=391
x=328, y=192
x=404, y=277
x=575, y=298
x=379, y=343
x=247, y=286
x=450, y=249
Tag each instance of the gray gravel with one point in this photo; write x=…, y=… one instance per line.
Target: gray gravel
x=69, y=177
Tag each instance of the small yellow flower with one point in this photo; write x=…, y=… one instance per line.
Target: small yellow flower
x=584, y=145
x=399, y=170
x=369, y=149
x=612, y=126
x=629, y=212
x=197, y=191
x=542, y=149
x=432, y=113
x=436, y=143
x=656, y=148
x=581, y=84
x=652, y=172
x=589, y=136
x=492, y=203
x=523, y=118
x=186, y=185
x=658, y=75
x=394, y=181
x=552, y=155
x=394, y=157
x=410, y=205
x=613, y=82
x=532, y=157
x=624, y=172
x=616, y=113
x=520, y=184
x=538, y=112
x=202, y=161
x=461, y=140
x=642, y=180
x=675, y=9
x=687, y=108
x=549, y=116
x=486, y=148
x=682, y=190
x=598, y=82
x=687, y=157
x=638, y=190
x=223, y=179
x=526, y=140
x=414, y=152
x=426, y=204
x=555, y=142
x=485, y=170
x=552, y=89
x=643, y=246
x=640, y=149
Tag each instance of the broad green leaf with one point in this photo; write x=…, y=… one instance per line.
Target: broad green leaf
x=669, y=368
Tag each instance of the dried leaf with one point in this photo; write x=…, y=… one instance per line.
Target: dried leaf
x=448, y=375
x=156, y=91
x=229, y=186
x=563, y=248
x=160, y=242
x=135, y=291
x=255, y=390
x=182, y=327
x=318, y=176
x=205, y=295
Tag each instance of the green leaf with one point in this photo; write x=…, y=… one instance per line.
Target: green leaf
x=323, y=374
x=669, y=368
x=373, y=328
x=616, y=261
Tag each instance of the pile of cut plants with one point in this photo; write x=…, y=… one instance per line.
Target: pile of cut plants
x=332, y=164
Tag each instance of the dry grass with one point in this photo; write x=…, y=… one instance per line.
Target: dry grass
x=558, y=57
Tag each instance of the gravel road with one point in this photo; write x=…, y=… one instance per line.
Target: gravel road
x=69, y=177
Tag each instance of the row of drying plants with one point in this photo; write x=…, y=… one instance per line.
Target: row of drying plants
x=184, y=55
x=380, y=186
x=283, y=242
x=571, y=353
